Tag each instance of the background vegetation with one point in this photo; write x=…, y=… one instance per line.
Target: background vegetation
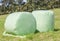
x=29, y=6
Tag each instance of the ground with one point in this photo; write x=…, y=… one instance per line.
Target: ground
x=47, y=36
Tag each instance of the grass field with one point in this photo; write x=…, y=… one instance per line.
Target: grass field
x=47, y=36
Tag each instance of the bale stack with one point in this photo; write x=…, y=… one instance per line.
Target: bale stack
x=20, y=23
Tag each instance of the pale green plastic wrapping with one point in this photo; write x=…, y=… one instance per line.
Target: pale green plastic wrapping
x=44, y=19
x=20, y=23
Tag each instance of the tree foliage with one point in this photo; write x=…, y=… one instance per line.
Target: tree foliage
x=29, y=6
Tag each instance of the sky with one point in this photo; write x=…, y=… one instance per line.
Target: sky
x=15, y=0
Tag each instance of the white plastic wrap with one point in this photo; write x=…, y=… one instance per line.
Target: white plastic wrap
x=20, y=23
x=44, y=19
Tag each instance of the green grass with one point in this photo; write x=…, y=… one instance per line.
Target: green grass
x=47, y=36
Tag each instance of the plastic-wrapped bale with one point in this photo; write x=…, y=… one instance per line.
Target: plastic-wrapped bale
x=45, y=20
x=20, y=23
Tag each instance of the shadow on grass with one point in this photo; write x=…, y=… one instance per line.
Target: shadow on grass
x=36, y=31
x=56, y=30
x=30, y=37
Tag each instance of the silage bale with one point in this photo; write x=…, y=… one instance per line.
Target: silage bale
x=44, y=19
x=20, y=23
